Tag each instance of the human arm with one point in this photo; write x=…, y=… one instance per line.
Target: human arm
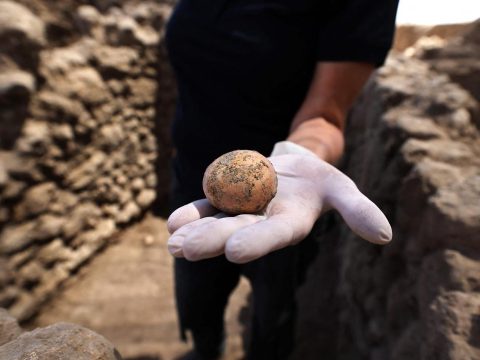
x=320, y=121
x=307, y=184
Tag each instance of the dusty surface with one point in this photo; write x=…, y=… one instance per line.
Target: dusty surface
x=240, y=181
x=126, y=295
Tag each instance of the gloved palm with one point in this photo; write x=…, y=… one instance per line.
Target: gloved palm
x=307, y=187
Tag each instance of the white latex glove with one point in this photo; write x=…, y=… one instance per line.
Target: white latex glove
x=307, y=187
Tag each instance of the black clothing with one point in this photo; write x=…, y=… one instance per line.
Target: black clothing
x=203, y=288
x=243, y=68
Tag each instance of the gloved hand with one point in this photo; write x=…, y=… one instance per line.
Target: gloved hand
x=307, y=187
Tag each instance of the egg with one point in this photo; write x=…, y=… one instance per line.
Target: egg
x=240, y=181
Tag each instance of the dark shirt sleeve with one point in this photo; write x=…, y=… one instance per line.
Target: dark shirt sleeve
x=360, y=30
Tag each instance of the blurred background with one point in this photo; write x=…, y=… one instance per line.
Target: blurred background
x=86, y=98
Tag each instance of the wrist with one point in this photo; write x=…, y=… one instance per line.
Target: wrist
x=288, y=147
x=321, y=137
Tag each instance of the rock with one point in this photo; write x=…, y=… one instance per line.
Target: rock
x=53, y=252
x=22, y=257
x=115, y=61
x=461, y=50
x=3, y=176
x=111, y=210
x=25, y=306
x=138, y=184
x=60, y=61
x=48, y=226
x=444, y=151
x=121, y=179
x=103, y=230
x=84, y=174
x=64, y=202
x=80, y=218
x=57, y=107
x=13, y=190
x=88, y=18
x=21, y=168
x=14, y=238
x=30, y=274
x=148, y=240
x=4, y=215
x=145, y=198
x=104, y=113
x=17, y=83
x=450, y=328
x=49, y=283
x=128, y=212
x=122, y=195
x=59, y=341
x=124, y=30
x=145, y=36
x=110, y=136
x=36, y=200
x=446, y=270
x=9, y=328
x=142, y=91
x=81, y=255
x=109, y=6
x=111, y=193
x=6, y=274
x=19, y=22
x=149, y=13
x=35, y=138
x=116, y=86
x=414, y=126
x=151, y=180
x=62, y=133
x=9, y=296
x=412, y=148
x=22, y=34
x=86, y=85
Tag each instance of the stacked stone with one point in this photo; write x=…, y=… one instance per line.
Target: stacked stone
x=414, y=148
x=82, y=161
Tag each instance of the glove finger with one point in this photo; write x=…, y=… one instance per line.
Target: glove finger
x=175, y=242
x=360, y=213
x=188, y=213
x=259, y=239
x=208, y=240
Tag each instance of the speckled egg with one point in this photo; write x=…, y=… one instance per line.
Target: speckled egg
x=240, y=181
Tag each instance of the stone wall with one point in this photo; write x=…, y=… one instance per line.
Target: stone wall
x=79, y=109
x=414, y=148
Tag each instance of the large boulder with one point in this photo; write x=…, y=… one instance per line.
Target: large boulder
x=9, y=328
x=62, y=341
x=412, y=147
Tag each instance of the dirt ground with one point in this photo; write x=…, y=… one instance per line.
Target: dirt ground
x=126, y=294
